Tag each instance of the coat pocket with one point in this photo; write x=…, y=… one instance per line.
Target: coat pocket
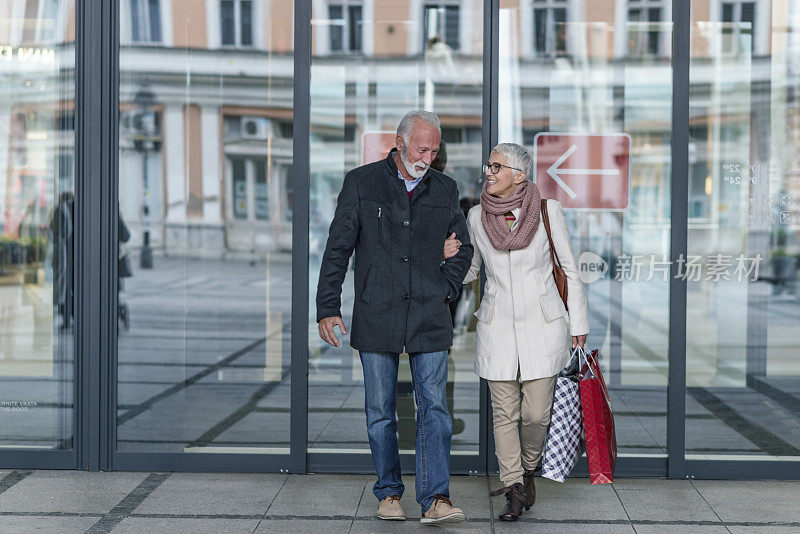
x=374, y=212
x=435, y=215
x=483, y=341
x=552, y=307
x=486, y=311
x=366, y=291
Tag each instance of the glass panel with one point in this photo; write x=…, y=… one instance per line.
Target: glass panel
x=653, y=30
x=613, y=111
x=560, y=20
x=336, y=29
x=354, y=24
x=136, y=21
x=451, y=27
x=743, y=375
x=49, y=21
x=540, y=29
x=32, y=20
x=228, y=22
x=246, y=10
x=748, y=12
x=261, y=192
x=205, y=300
x=239, y=188
x=37, y=235
x=356, y=104
x=442, y=22
x=155, y=21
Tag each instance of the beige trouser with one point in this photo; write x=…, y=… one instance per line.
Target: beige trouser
x=530, y=401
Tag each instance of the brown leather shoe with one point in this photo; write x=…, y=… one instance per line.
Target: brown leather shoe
x=515, y=501
x=390, y=509
x=442, y=511
x=530, y=489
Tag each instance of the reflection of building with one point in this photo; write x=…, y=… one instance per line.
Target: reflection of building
x=219, y=172
x=38, y=136
x=219, y=157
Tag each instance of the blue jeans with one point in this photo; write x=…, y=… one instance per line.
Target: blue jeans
x=434, y=425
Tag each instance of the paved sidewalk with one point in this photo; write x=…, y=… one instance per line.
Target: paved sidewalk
x=66, y=502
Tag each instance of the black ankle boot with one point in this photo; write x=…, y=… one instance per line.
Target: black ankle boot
x=529, y=488
x=515, y=501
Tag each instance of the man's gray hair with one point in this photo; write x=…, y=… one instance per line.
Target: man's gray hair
x=518, y=157
x=410, y=118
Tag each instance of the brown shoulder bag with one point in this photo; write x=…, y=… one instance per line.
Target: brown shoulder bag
x=558, y=272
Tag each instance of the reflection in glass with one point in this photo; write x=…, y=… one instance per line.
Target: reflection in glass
x=425, y=58
x=37, y=118
x=597, y=71
x=205, y=156
x=743, y=376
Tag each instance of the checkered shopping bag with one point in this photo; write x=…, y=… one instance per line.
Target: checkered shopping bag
x=563, y=445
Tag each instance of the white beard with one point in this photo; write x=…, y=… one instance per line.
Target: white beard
x=411, y=167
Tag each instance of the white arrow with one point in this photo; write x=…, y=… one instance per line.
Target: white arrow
x=554, y=171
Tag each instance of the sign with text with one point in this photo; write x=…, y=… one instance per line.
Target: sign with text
x=584, y=170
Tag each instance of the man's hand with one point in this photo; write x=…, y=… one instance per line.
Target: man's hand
x=451, y=247
x=327, y=333
x=578, y=341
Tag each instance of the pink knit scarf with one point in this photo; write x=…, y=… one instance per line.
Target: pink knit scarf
x=527, y=196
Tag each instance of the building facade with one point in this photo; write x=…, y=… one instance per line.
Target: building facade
x=169, y=170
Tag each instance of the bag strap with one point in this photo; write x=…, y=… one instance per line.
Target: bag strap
x=546, y=220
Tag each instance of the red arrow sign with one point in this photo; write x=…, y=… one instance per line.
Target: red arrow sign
x=584, y=171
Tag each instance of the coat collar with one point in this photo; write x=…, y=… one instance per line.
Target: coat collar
x=421, y=186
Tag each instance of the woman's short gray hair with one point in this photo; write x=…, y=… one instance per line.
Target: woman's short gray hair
x=518, y=157
x=410, y=118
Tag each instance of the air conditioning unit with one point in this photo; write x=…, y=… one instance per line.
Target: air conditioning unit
x=254, y=128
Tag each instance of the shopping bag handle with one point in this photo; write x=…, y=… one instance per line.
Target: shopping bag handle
x=591, y=363
x=585, y=367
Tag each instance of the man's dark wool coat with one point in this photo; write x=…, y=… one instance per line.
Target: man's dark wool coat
x=402, y=288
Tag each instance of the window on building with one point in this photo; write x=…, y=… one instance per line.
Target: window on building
x=261, y=204
x=288, y=188
x=145, y=21
x=239, y=183
x=549, y=27
x=442, y=22
x=236, y=20
x=644, y=33
x=44, y=21
x=346, y=26
x=50, y=20
x=738, y=25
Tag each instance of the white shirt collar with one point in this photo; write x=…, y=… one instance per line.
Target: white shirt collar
x=409, y=185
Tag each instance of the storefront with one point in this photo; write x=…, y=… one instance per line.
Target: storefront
x=169, y=169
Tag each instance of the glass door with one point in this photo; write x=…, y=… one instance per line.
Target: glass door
x=205, y=235
x=743, y=377
x=587, y=89
x=37, y=234
x=372, y=62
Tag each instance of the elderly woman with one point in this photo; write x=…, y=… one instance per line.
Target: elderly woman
x=522, y=340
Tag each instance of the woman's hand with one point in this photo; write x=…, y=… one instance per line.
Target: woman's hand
x=578, y=341
x=451, y=247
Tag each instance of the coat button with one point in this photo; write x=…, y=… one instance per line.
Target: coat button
x=406, y=296
x=405, y=223
x=405, y=258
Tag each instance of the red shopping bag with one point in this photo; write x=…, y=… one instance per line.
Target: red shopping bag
x=598, y=422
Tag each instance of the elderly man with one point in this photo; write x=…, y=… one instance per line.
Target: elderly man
x=396, y=214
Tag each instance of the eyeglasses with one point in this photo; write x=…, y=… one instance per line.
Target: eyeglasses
x=495, y=168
